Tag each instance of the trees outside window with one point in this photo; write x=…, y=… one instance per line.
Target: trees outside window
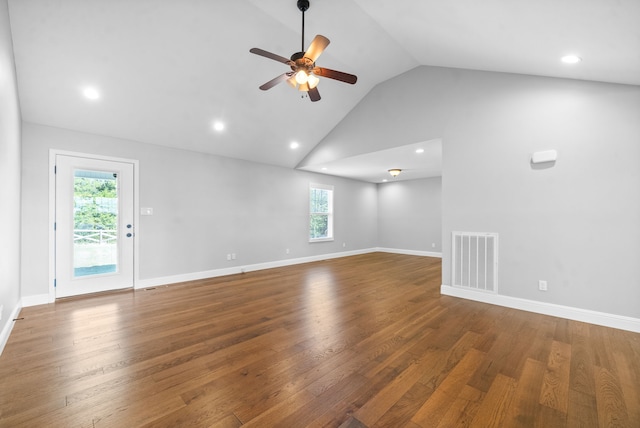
x=320, y=213
x=95, y=203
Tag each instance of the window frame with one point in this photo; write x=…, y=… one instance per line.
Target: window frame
x=329, y=214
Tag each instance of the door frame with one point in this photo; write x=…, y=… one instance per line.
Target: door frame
x=52, y=212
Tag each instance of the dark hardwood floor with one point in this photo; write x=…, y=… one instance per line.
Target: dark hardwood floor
x=362, y=341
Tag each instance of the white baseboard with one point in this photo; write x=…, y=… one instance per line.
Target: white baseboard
x=410, y=252
x=568, y=312
x=192, y=276
x=153, y=282
x=6, y=330
x=39, y=299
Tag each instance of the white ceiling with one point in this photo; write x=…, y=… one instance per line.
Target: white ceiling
x=373, y=167
x=167, y=69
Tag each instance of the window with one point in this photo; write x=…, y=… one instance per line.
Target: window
x=320, y=213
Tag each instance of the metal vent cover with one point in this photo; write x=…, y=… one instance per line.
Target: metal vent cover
x=475, y=260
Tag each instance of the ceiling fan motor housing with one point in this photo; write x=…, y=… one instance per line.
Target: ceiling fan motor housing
x=301, y=62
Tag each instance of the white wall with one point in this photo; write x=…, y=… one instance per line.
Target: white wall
x=410, y=215
x=576, y=225
x=9, y=180
x=204, y=208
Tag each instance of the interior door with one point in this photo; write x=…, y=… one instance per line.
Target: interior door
x=94, y=230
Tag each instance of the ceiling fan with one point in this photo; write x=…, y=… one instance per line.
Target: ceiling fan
x=304, y=72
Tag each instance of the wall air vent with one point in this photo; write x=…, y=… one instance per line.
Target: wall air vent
x=475, y=261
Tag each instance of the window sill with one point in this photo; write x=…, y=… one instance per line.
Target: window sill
x=320, y=240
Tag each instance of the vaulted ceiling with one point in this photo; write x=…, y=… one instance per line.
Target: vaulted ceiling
x=167, y=70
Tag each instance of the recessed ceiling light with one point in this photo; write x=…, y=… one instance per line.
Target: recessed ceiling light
x=324, y=168
x=419, y=150
x=385, y=180
x=294, y=145
x=218, y=126
x=571, y=59
x=91, y=93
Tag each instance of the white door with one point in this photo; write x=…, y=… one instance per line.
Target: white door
x=94, y=230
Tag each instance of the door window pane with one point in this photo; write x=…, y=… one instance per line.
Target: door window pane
x=95, y=218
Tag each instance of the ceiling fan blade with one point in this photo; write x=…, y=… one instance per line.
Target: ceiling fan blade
x=316, y=47
x=270, y=55
x=314, y=95
x=337, y=75
x=273, y=82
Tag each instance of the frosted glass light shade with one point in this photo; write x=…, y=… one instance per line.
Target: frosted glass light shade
x=301, y=77
x=313, y=81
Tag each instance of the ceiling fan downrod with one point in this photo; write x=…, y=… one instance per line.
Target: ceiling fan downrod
x=303, y=5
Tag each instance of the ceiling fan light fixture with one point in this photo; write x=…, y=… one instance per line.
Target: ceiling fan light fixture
x=304, y=73
x=302, y=77
x=292, y=82
x=312, y=81
x=304, y=87
x=395, y=172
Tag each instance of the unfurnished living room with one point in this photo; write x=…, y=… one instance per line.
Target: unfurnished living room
x=319, y=213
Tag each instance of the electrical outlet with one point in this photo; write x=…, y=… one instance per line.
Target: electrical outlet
x=344, y=244
x=229, y=256
x=233, y=256
x=542, y=285
x=1, y=308
x=286, y=251
x=433, y=245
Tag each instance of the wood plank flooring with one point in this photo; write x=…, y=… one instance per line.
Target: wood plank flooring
x=362, y=341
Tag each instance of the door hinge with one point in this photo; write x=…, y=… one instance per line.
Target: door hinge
x=55, y=283
x=55, y=225
x=55, y=169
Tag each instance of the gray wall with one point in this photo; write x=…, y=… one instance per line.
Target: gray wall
x=576, y=224
x=204, y=208
x=9, y=175
x=410, y=215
